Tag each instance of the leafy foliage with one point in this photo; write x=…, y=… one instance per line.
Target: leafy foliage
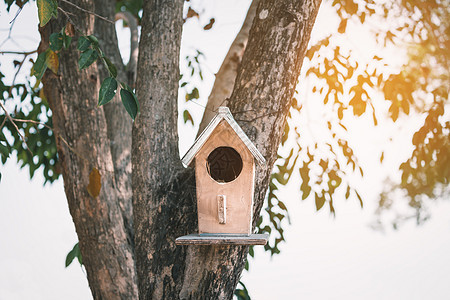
x=32, y=114
x=419, y=29
x=347, y=85
x=39, y=137
x=194, y=71
x=90, y=52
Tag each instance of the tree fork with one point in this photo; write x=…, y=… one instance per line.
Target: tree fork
x=268, y=76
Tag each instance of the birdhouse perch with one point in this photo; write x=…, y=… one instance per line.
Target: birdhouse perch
x=225, y=174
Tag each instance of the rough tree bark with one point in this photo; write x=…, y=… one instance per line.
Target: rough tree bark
x=164, y=205
x=89, y=137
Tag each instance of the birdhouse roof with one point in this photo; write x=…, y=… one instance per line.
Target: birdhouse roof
x=223, y=114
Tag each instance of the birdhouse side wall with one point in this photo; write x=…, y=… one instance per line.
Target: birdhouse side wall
x=238, y=193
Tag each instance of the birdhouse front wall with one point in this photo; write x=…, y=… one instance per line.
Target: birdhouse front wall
x=236, y=196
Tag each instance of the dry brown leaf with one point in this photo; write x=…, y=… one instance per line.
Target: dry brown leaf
x=95, y=183
x=70, y=30
x=192, y=13
x=210, y=24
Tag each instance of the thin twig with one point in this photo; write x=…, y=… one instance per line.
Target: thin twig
x=14, y=20
x=17, y=72
x=33, y=122
x=18, y=52
x=15, y=126
x=3, y=124
x=69, y=19
x=88, y=11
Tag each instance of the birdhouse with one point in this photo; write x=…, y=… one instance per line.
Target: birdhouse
x=225, y=174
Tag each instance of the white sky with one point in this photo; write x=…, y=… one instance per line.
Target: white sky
x=324, y=257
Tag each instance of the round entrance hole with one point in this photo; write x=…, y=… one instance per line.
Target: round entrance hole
x=224, y=164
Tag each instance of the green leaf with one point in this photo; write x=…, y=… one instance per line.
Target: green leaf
x=87, y=58
x=75, y=252
x=130, y=102
x=193, y=95
x=66, y=41
x=242, y=294
x=83, y=43
x=4, y=150
x=56, y=41
x=107, y=91
x=40, y=65
x=187, y=117
x=111, y=67
x=46, y=9
x=93, y=40
x=251, y=251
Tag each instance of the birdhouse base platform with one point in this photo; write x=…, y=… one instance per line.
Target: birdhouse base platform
x=222, y=239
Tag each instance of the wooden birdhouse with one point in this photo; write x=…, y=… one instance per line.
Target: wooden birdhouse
x=225, y=174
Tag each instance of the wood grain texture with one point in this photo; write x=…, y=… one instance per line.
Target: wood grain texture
x=239, y=192
x=201, y=239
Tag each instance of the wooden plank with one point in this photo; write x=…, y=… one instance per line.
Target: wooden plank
x=222, y=239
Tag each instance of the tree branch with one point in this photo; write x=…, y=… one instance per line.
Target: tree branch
x=88, y=11
x=226, y=76
x=18, y=70
x=118, y=121
x=18, y=52
x=67, y=14
x=134, y=45
x=15, y=126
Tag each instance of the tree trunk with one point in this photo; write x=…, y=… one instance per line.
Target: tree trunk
x=163, y=193
x=84, y=144
x=164, y=204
